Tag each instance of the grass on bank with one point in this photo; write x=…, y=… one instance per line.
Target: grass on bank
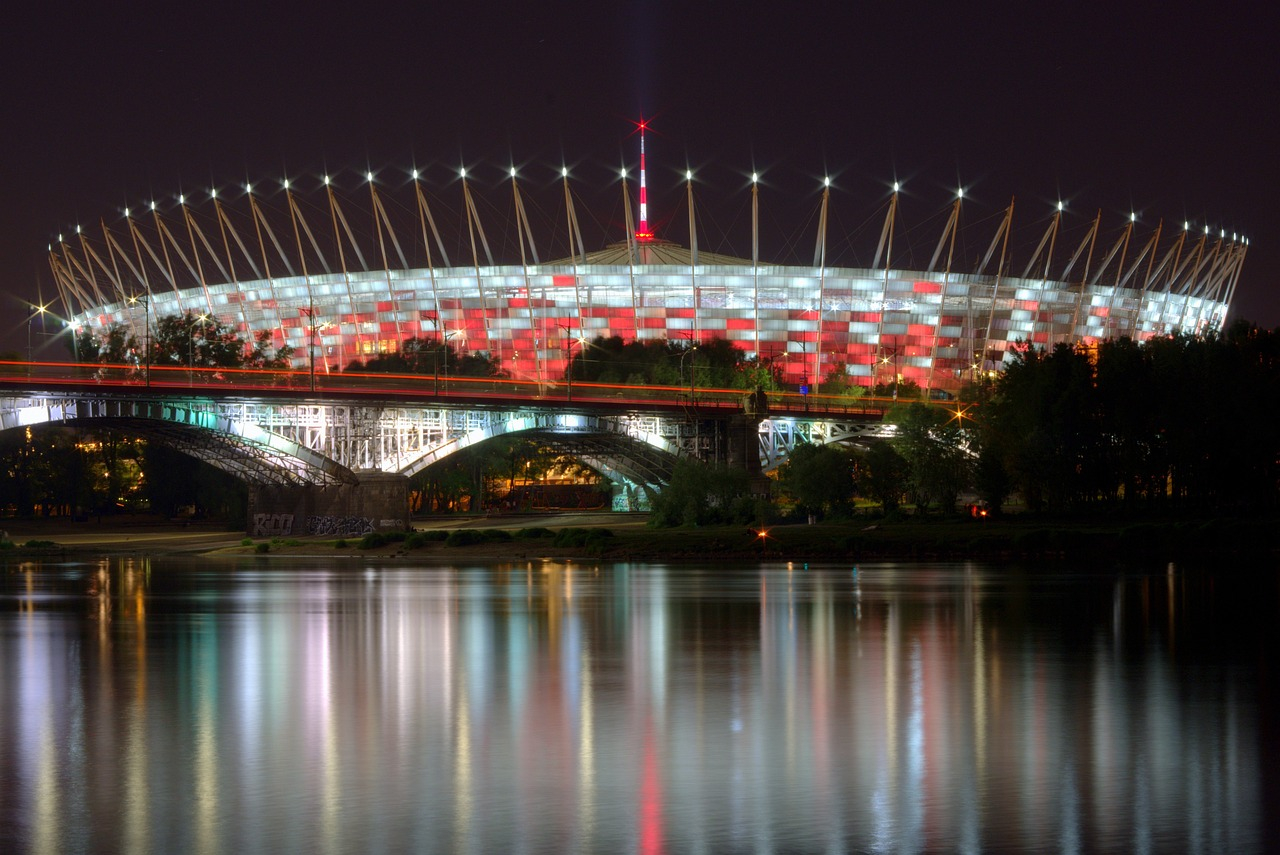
x=863, y=539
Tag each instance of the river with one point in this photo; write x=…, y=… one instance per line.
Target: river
x=268, y=705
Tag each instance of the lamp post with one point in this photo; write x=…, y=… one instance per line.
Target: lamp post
x=35, y=311
x=191, y=339
x=435, y=357
x=568, y=358
x=892, y=360
x=146, y=334
x=688, y=352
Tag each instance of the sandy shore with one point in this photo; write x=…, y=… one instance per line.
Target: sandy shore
x=151, y=536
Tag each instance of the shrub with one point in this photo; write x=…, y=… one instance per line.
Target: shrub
x=39, y=544
x=373, y=540
x=571, y=537
x=262, y=547
x=533, y=533
x=497, y=535
x=341, y=543
x=464, y=537
x=248, y=541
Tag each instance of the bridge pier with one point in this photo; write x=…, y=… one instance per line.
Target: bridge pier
x=379, y=501
x=742, y=434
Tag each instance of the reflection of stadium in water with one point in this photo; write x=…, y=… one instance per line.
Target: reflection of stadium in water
x=549, y=707
x=315, y=275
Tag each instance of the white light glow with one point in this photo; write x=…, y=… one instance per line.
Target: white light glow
x=414, y=175
x=755, y=178
x=896, y=187
x=369, y=175
x=1186, y=226
x=126, y=213
x=1206, y=228
x=513, y=172
x=1133, y=217
x=326, y=181
x=462, y=173
x=688, y=175
x=564, y=172
x=77, y=229
x=285, y=183
x=213, y=192
x=1060, y=207
x=960, y=193
x=248, y=188
x=624, y=172
x=153, y=206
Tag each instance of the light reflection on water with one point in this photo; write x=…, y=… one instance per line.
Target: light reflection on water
x=313, y=707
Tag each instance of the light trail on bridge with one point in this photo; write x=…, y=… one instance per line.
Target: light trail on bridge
x=471, y=391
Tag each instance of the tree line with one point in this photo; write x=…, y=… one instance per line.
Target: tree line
x=1180, y=423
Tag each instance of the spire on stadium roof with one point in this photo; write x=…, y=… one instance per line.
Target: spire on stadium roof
x=642, y=233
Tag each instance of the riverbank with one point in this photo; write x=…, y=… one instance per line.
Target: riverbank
x=627, y=537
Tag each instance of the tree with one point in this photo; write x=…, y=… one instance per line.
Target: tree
x=880, y=474
x=934, y=446
x=819, y=478
x=266, y=356
x=195, y=341
x=1042, y=417
x=700, y=494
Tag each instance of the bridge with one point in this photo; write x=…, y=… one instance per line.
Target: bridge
x=343, y=446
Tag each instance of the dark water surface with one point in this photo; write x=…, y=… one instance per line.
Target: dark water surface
x=318, y=706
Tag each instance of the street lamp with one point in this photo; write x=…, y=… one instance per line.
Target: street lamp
x=568, y=358
x=191, y=338
x=688, y=352
x=891, y=359
x=35, y=310
x=435, y=357
x=146, y=332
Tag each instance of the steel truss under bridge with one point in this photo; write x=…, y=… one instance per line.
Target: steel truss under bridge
x=276, y=441
x=779, y=435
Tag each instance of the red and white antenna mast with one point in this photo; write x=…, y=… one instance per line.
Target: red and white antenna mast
x=643, y=233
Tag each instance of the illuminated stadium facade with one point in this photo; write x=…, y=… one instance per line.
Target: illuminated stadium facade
x=322, y=281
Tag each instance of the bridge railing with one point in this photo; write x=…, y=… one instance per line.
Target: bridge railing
x=491, y=390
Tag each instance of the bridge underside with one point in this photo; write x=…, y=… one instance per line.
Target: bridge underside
x=323, y=443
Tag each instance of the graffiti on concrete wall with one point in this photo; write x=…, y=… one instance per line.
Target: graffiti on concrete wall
x=272, y=525
x=339, y=526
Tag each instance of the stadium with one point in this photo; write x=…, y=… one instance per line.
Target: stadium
x=339, y=281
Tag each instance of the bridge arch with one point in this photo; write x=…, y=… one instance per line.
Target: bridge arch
x=620, y=449
x=195, y=427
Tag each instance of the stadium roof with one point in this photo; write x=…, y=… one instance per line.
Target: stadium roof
x=654, y=252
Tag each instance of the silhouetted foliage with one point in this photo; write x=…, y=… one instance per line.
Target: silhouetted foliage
x=431, y=358
x=934, y=445
x=819, y=478
x=714, y=363
x=701, y=494
x=1180, y=421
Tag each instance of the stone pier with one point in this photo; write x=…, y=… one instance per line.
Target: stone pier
x=378, y=502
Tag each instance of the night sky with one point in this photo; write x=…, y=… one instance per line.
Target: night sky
x=1165, y=109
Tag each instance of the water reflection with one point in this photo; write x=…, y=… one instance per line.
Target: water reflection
x=627, y=708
